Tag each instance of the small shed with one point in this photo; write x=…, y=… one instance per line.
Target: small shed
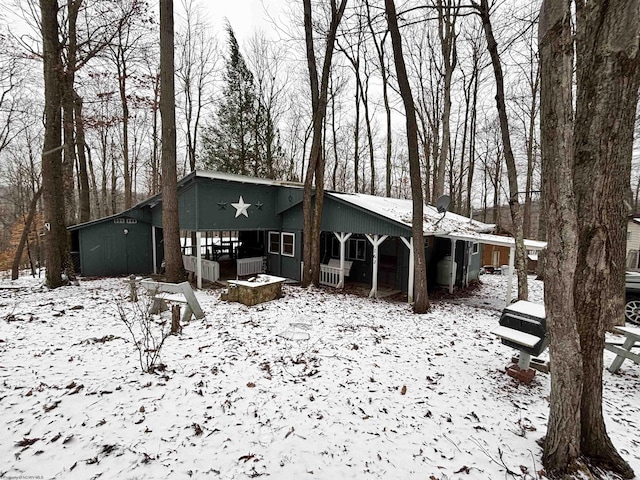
x=115, y=245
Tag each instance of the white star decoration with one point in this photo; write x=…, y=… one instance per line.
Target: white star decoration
x=241, y=208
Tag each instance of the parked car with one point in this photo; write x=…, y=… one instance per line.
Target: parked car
x=632, y=294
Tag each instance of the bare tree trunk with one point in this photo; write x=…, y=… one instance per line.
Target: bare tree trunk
x=421, y=298
x=121, y=64
x=170, y=221
x=472, y=135
x=562, y=443
x=84, y=199
x=52, y=185
x=447, y=14
x=25, y=234
x=512, y=174
x=608, y=76
x=313, y=200
x=384, y=76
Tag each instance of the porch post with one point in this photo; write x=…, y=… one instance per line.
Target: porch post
x=452, y=270
x=512, y=251
x=199, y=258
x=376, y=240
x=153, y=249
x=342, y=238
x=412, y=267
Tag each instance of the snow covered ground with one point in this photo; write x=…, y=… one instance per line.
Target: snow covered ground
x=375, y=392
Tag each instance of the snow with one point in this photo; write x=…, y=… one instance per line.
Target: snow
x=401, y=210
x=528, y=308
x=317, y=384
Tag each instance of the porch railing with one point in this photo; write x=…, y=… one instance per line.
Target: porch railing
x=210, y=269
x=329, y=276
x=250, y=266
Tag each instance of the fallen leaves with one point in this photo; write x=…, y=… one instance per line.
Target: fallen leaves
x=26, y=442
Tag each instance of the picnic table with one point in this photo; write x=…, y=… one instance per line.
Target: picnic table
x=632, y=335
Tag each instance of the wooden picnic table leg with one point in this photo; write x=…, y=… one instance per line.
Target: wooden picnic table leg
x=617, y=362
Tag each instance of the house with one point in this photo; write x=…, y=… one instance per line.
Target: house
x=372, y=235
x=633, y=242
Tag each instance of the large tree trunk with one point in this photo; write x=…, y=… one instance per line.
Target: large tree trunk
x=562, y=444
x=607, y=42
x=52, y=185
x=421, y=297
x=607, y=97
x=512, y=173
x=170, y=219
x=313, y=198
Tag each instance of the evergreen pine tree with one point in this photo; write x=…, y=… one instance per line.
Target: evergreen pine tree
x=243, y=138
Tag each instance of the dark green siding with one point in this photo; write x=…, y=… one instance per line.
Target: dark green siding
x=338, y=216
x=106, y=250
x=216, y=212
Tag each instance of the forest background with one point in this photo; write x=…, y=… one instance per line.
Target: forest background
x=243, y=104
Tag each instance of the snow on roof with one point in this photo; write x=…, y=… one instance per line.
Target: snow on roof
x=231, y=177
x=401, y=210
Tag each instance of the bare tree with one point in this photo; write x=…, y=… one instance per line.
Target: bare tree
x=512, y=173
x=55, y=240
x=197, y=61
x=586, y=158
x=170, y=220
x=421, y=299
x=312, y=207
x=447, y=16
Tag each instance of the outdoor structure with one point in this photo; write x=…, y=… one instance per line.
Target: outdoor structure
x=633, y=242
x=365, y=239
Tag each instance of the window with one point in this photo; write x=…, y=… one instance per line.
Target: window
x=131, y=221
x=274, y=243
x=288, y=244
x=628, y=235
x=118, y=220
x=476, y=248
x=357, y=249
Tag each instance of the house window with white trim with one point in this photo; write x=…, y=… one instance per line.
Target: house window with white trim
x=274, y=243
x=357, y=249
x=288, y=244
x=476, y=248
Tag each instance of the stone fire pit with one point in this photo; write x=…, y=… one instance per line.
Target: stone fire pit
x=260, y=289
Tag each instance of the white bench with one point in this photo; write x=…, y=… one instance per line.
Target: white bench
x=335, y=263
x=516, y=336
x=173, y=293
x=526, y=340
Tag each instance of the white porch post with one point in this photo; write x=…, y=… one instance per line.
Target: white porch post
x=409, y=244
x=452, y=270
x=512, y=251
x=199, y=259
x=342, y=238
x=153, y=249
x=376, y=240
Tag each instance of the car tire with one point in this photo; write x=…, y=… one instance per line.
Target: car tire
x=632, y=310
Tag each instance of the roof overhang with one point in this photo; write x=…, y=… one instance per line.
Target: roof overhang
x=498, y=240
